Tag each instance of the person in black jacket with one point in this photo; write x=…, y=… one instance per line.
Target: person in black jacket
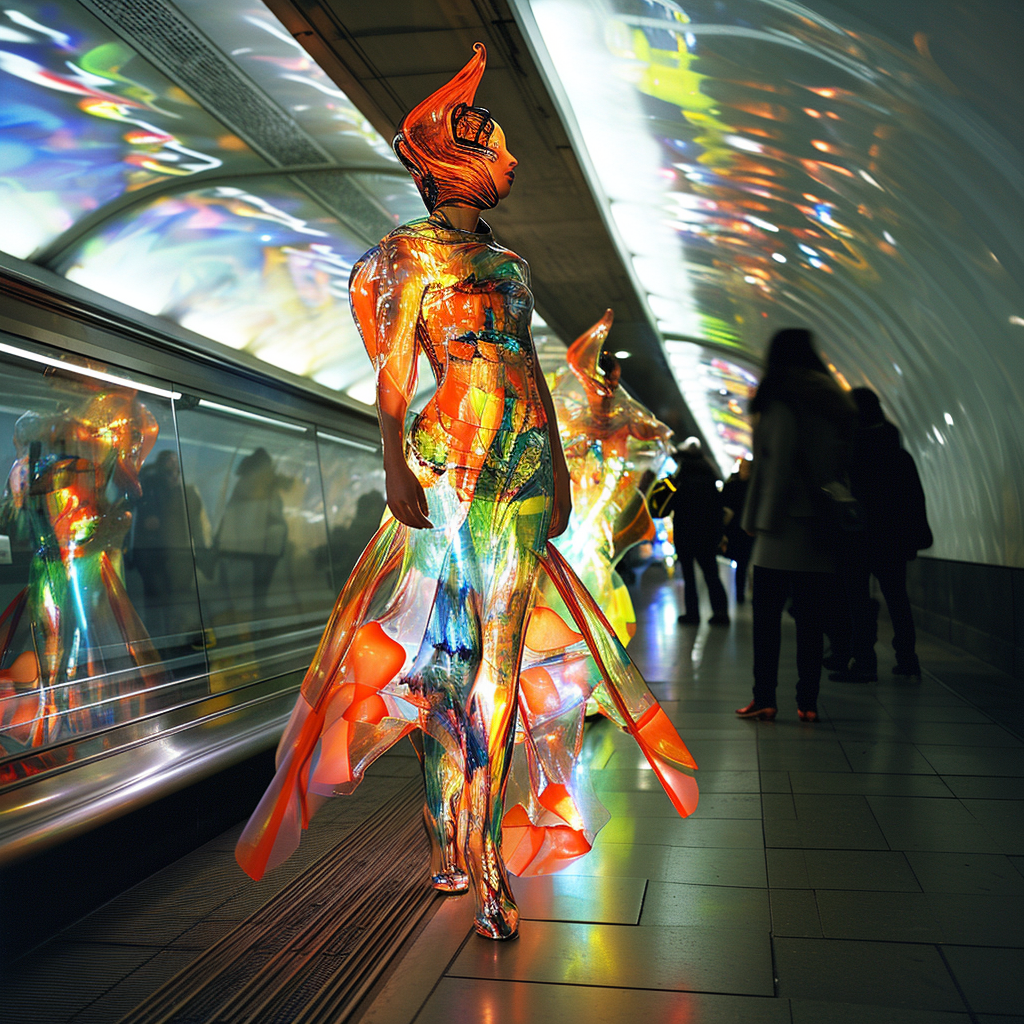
x=738, y=544
x=697, y=515
x=883, y=478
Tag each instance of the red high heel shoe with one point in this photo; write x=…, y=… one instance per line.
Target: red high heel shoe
x=807, y=716
x=752, y=710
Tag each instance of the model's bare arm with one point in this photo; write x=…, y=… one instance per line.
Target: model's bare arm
x=563, y=495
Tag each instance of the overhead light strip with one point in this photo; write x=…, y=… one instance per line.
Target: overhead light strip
x=87, y=371
x=347, y=441
x=243, y=414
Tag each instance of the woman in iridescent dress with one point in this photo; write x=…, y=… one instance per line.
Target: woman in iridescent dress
x=429, y=632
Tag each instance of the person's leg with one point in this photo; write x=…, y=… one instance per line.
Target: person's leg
x=860, y=663
x=490, y=738
x=741, y=556
x=691, y=601
x=503, y=541
x=838, y=619
x=467, y=666
x=865, y=627
x=443, y=778
x=771, y=587
x=810, y=597
x=892, y=579
x=444, y=671
x=708, y=563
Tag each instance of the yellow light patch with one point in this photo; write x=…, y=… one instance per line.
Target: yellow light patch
x=533, y=506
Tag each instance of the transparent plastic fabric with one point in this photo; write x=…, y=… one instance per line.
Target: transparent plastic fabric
x=440, y=630
x=611, y=444
x=76, y=656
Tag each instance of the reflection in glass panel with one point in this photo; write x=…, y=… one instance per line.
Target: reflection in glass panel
x=353, y=476
x=264, y=270
x=265, y=589
x=165, y=517
x=85, y=119
x=84, y=646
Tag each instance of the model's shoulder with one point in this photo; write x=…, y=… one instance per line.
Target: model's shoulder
x=365, y=269
x=401, y=247
x=413, y=231
x=503, y=251
x=514, y=265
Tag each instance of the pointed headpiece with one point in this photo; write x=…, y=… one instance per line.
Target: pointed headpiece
x=584, y=357
x=443, y=142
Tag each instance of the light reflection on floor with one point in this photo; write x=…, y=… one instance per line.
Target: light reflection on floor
x=867, y=869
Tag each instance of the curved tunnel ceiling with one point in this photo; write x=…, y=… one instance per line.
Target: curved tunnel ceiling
x=762, y=163
x=855, y=166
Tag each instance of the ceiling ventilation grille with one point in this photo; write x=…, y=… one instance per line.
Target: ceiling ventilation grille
x=343, y=195
x=160, y=33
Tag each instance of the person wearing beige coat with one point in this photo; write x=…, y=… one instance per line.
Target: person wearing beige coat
x=803, y=422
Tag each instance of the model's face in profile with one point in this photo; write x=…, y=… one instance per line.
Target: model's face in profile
x=503, y=168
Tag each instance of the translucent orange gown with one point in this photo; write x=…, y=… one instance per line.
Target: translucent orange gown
x=430, y=629
x=611, y=442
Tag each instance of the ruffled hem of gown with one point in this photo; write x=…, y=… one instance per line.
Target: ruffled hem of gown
x=353, y=707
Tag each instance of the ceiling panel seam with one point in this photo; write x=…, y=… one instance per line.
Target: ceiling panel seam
x=51, y=256
x=322, y=17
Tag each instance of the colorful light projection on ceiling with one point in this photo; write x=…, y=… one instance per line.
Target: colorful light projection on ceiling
x=84, y=120
x=717, y=391
x=715, y=177
x=761, y=157
x=261, y=269
x=255, y=259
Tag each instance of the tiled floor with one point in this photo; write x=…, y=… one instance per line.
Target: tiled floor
x=866, y=870
x=863, y=870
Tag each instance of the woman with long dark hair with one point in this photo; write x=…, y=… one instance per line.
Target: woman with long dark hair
x=803, y=421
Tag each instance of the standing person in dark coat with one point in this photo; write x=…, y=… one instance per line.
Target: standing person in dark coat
x=161, y=549
x=883, y=478
x=697, y=515
x=738, y=543
x=803, y=422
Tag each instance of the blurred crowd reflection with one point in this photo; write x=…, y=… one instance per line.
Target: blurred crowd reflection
x=159, y=556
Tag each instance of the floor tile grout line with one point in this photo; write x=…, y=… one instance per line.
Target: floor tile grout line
x=956, y=983
x=617, y=988
x=878, y=824
x=817, y=911
x=444, y=974
x=643, y=899
x=764, y=857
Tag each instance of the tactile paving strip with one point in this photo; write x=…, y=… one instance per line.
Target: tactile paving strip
x=312, y=952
